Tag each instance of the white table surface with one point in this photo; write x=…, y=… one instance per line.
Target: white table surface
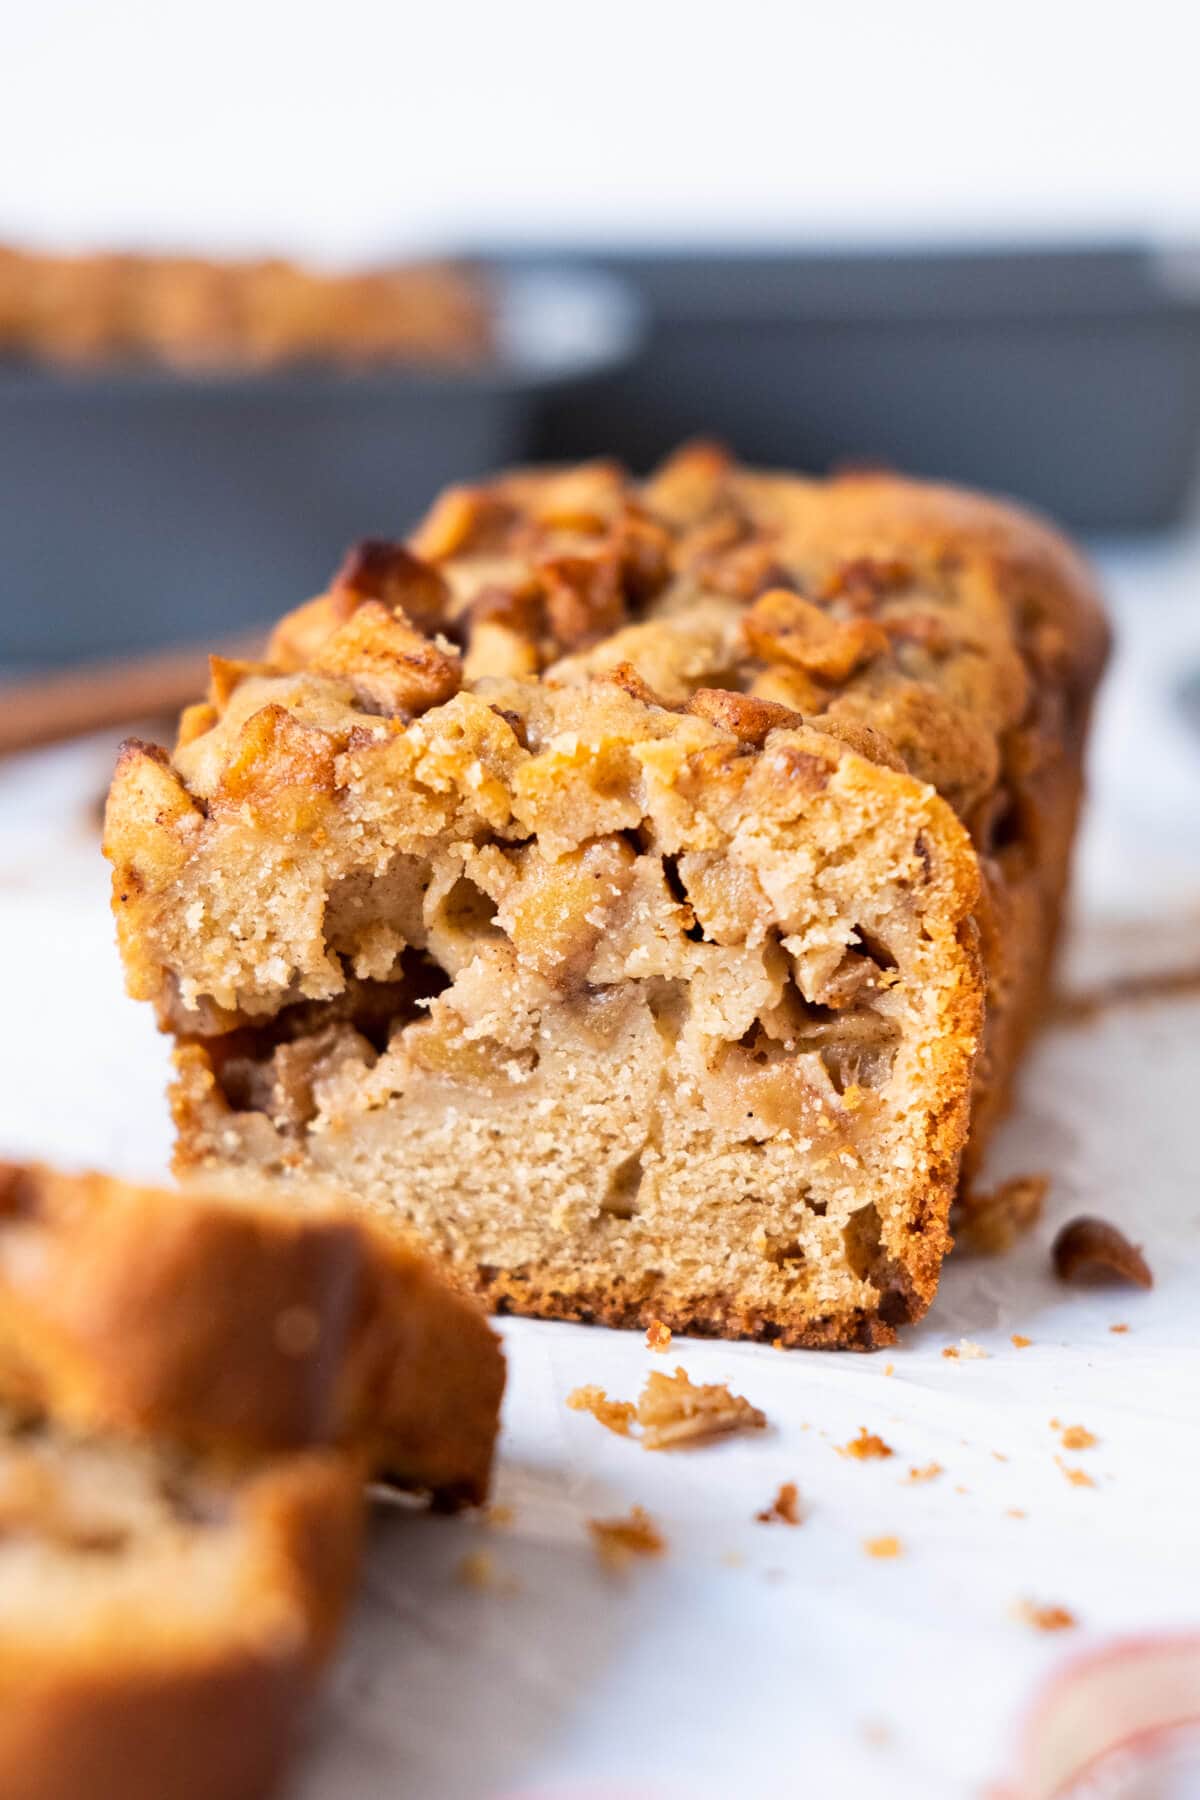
x=758, y=1659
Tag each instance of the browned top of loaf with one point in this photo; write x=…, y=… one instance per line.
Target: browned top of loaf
x=945, y=622
x=242, y=1324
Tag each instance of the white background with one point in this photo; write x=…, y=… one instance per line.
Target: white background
x=361, y=126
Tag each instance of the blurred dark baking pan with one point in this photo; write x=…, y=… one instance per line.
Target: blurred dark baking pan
x=1069, y=378
x=142, y=507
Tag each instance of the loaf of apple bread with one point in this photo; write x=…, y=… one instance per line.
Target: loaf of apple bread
x=636, y=892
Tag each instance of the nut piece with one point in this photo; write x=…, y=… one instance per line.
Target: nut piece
x=1091, y=1252
x=460, y=519
x=583, y=594
x=865, y=579
x=749, y=719
x=380, y=569
x=784, y=627
x=391, y=667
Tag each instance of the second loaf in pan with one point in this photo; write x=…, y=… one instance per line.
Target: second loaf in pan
x=637, y=892
x=238, y=1320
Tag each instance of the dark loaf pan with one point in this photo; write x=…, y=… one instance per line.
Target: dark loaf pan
x=1069, y=378
x=141, y=507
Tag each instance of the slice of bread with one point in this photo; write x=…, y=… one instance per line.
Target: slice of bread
x=161, y=1621
x=230, y=1320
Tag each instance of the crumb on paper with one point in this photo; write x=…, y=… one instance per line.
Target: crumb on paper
x=865, y=1447
x=658, y=1335
x=673, y=1410
x=498, y=1514
x=1015, y=1512
x=966, y=1351
x=1046, y=1618
x=1078, y=1437
x=928, y=1472
x=778, y=1344
x=883, y=1548
x=733, y=1559
x=478, y=1569
x=877, y=1733
x=1077, y=1477
x=614, y=1415
x=1018, y=1342
x=618, y=1541
x=989, y=1224
x=1000, y=1455
x=889, y=1368
x=784, y=1508
x=1118, y=1328
x=959, y=1489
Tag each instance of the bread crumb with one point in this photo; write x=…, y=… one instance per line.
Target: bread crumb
x=1046, y=1618
x=877, y=1733
x=865, y=1446
x=497, y=1514
x=618, y=1541
x=966, y=1350
x=477, y=1569
x=658, y=1335
x=883, y=1547
x=784, y=1508
x=1077, y=1477
x=1000, y=1455
x=959, y=1489
x=1118, y=1328
x=990, y=1223
x=929, y=1472
x=1018, y=1342
x=614, y=1415
x=1016, y=1512
x=733, y=1559
x=889, y=1369
x=673, y=1410
x=1078, y=1437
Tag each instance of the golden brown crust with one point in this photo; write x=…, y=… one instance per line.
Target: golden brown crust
x=194, y=314
x=703, y=667
x=234, y=1324
x=101, y=1706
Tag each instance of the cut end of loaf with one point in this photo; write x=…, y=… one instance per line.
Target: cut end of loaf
x=596, y=886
